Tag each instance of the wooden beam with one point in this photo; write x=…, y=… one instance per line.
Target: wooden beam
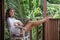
x=44, y=8
x=0, y=17
x=2, y=20
x=44, y=3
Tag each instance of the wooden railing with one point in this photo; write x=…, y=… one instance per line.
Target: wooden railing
x=50, y=30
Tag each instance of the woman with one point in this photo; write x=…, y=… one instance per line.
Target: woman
x=14, y=22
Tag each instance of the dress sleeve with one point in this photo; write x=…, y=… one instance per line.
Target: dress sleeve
x=9, y=22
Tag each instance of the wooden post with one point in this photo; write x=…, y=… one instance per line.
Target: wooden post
x=44, y=8
x=1, y=19
x=44, y=3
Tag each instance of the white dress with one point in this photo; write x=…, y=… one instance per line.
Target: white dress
x=13, y=29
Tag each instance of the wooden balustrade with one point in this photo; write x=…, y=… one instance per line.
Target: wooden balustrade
x=50, y=30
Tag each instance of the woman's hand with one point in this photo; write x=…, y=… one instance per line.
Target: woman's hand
x=18, y=24
x=15, y=24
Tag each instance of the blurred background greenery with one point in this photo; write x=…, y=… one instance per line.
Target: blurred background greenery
x=32, y=9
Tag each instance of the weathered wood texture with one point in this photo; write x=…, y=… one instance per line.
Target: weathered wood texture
x=0, y=17
x=1, y=20
x=59, y=29
x=44, y=7
x=51, y=29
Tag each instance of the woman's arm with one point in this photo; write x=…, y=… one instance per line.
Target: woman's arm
x=18, y=24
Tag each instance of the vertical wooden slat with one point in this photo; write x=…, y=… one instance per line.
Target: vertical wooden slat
x=59, y=29
x=54, y=29
x=37, y=33
x=43, y=31
x=30, y=34
x=46, y=30
x=51, y=30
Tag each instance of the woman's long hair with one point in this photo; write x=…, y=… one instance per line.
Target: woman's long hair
x=7, y=12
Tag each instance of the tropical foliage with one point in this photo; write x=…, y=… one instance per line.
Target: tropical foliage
x=54, y=1
x=53, y=10
x=32, y=9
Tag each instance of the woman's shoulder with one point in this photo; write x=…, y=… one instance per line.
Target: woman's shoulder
x=10, y=18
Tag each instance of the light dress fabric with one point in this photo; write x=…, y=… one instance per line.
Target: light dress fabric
x=13, y=29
